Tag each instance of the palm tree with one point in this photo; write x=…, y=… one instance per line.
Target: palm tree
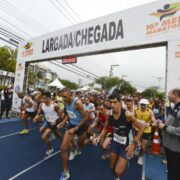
x=7, y=61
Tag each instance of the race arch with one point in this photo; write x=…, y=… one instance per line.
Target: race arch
x=150, y=25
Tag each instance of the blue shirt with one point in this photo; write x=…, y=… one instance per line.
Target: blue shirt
x=75, y=115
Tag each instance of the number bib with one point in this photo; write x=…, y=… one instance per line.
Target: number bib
x=120, y=139
x=51, y=118
x=71, y=115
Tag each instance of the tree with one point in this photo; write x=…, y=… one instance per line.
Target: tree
x=123, y=86
x=69, y=84
x=7, y=60
x=31, y=77
x=153, y=92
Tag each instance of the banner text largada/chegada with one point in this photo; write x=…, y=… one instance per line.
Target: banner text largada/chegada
x=87, y=36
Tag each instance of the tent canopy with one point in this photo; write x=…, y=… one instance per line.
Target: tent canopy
x=56, y=83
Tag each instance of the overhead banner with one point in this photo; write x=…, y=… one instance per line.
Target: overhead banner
x=157, y=22
x=151, y=23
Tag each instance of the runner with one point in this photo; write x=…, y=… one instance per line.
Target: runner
x=28, y=109
x=77, y=117
x=52, y=114
x=122, y=148
x=144, y=115
x=90, y=109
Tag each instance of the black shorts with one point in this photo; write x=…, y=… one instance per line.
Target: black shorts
x=31, y=114
x=81, y=130
x=146, y=136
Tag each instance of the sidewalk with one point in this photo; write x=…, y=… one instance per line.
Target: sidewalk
x=154, y=168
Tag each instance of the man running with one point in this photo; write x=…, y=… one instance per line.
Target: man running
x=144, y=115
x=77, y=117
x=52, y=114
x=30, y=111
x=122, y=146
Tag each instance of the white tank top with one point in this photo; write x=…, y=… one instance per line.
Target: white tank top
x=29, y=109
x=49, y=112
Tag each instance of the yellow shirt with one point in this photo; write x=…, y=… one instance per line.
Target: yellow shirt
x=60, y=102
x=144, y=116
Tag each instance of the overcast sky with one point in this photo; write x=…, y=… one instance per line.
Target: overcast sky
x=32, y=18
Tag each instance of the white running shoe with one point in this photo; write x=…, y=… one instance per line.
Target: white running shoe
x=64, y=176
x=49, y=152
x=77, y=152
x=140, y=160
x=72, y=155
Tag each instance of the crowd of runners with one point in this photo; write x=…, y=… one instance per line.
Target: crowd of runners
x=121, y=125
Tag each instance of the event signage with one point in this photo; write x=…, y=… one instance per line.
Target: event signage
x=69, y=60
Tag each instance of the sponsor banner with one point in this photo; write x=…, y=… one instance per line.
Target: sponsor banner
x=173, y=65
x=18, y=84
x=151, y=23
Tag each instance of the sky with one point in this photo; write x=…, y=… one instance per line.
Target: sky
x=142, y=68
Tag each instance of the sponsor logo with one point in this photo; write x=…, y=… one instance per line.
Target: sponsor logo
x=169, y=20
x=167, y=11
x=28, y=50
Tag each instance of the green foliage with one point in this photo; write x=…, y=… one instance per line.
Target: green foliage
x=39, y=75
x=153, y=92
x=8, y=59
x=31, y=77
x=123, y=86
x=69, y=84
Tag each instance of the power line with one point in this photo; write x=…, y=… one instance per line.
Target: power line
x=72, y=71
x=77, y=70
x=66, y=10
x=8, y=42
x=72, y=10
x=61, y=11
x=63, y=14
x=15, y=27
x=8, y=36
x=22, y=14
x=17, y=17
x=85, y=70
x=18, y=37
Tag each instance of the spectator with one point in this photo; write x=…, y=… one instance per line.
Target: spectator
x=6, y=102
x=171, y=139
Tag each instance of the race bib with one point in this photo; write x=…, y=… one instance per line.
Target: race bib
x=120, y=139
x=71, y=115
x=51, y=118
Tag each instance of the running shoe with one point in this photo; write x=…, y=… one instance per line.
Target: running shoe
x=140, y=160
x=24, y=131
x=72, y=155
x=49, y=151
x=64, y=176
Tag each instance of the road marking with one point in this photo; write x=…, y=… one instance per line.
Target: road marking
x=1, y=137
x=34, y=165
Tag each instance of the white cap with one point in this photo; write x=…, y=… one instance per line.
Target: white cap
x=144, y=101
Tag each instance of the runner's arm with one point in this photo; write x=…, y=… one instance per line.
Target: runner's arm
x=139, y=125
